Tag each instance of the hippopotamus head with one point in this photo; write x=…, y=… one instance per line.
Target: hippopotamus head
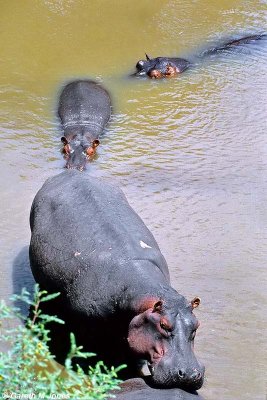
x=161, y=67
x=143, y=66
x=77, y=151
x=156, y=68
x=162, y=336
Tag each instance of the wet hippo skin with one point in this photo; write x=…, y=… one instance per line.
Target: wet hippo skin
x=89, y=244
x=167, y=67
x=84, y=110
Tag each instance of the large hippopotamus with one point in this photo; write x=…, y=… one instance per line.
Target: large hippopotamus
x=137, y=389
x=167, y=67
x=90, y=245
x=84, y=110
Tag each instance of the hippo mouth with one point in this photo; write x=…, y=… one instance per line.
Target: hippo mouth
x=146, y=369
x=76, y=168
x=149, y=372
x=141, y=73
x=79, y=166
x=151, y=368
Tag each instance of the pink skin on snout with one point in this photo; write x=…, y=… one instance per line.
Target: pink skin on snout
x=143, y=336
x=151, y=329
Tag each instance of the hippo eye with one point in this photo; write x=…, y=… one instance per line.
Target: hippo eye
x=193, y=335
x=164, y=327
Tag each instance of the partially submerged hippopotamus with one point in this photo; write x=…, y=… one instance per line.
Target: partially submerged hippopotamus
x=84, y=110
x=167, y=67
x=89, y=244
x=161, y=67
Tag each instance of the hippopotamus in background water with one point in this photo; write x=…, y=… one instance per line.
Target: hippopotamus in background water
x=137, y=389
x=89, y=244
x=84, y=110
x=161, y=67
x=166, y=67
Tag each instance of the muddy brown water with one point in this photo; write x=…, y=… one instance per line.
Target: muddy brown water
x=190, y=153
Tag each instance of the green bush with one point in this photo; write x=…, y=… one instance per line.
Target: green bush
x=28, y=369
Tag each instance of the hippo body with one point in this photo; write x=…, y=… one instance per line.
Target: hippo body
x=89, y=244
x=137, y=389
x=166, y=67
x=84, y=110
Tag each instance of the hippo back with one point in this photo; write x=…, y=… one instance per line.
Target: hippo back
x=84, y=104
x=85, y=237
x=89, y=244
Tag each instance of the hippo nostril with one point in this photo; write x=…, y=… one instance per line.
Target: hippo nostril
x=184, y=375
x=181, y=373
x=196, y=375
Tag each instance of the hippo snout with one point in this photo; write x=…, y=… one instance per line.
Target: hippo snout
x=77, y=159
x=191, y=378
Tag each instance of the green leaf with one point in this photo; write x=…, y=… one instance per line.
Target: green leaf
x=28, y=366
x=49, y=297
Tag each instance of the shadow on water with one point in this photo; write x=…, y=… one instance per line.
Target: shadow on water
x=22, y=278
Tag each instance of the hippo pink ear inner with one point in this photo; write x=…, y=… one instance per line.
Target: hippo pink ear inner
x=66, y=147
x=195, y=302
x=158, y=306
x=148, y=303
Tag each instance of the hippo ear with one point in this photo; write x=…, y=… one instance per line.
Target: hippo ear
x=147, y=57
x=95, y=143
x=158, y=306
x=64, y=140
x=195, y=302
x=148, y=303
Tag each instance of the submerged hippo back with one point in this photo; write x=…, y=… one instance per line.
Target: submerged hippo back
x=84, y=103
